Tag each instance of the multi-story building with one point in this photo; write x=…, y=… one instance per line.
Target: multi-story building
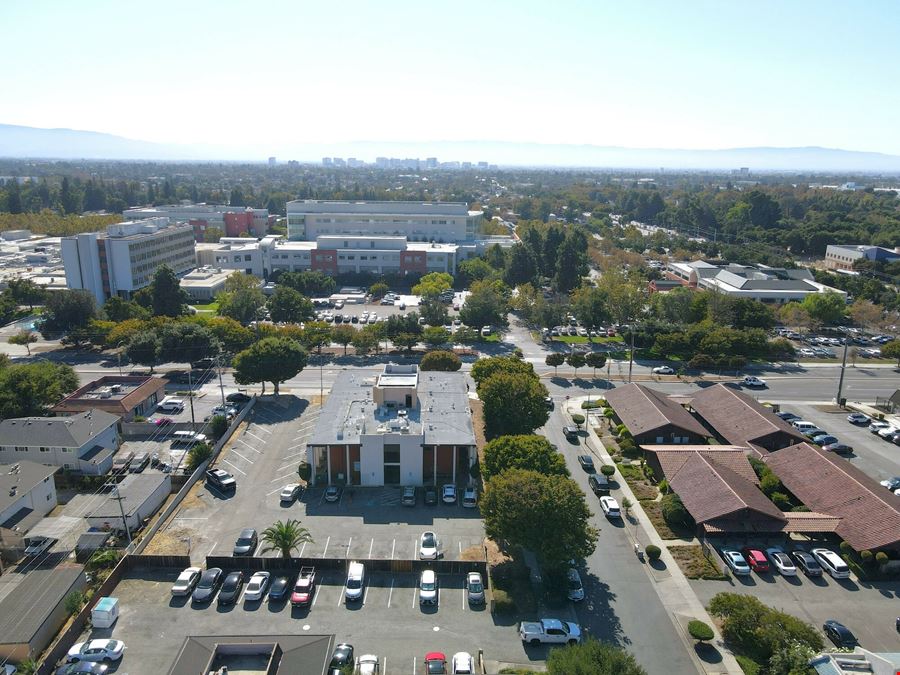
x=27, y=493
x=408, y=428
x=126, y=396
x=123, y=259
x=841, y=257
x=232, y=221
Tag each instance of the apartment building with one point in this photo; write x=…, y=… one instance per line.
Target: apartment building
x=232, y=221
x=123, y=259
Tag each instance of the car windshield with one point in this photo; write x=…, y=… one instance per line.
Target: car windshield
x=427, y=585
x=230, y=584
x=207, y=580
x=475, y=586
x=244, y=541
x=428, y=541
x=436, y=666
x=353, y=584
x=574, y=584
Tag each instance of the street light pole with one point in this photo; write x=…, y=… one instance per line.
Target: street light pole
x=841, y=378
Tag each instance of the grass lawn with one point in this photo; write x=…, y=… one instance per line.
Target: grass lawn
x=209, y=307
x=493, y=337
x=579, y=340
x=695, y=565
x=654, y=513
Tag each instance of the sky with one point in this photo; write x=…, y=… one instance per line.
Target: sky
x=678, y=74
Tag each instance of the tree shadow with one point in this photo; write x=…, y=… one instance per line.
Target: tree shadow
x=707, y=652
x=597, y=614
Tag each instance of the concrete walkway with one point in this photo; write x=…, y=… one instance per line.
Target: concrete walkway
x=672, y=587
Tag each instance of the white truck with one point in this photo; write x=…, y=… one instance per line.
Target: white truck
x=550, y=631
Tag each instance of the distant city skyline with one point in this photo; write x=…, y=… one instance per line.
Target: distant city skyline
x=700, y=75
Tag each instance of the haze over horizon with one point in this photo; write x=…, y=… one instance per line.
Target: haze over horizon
x=702, y=76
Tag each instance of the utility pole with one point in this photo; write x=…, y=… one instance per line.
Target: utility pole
x=119, y=499
x=841, y=378
x=219, y=371
x=191, y=397
x=631, y=354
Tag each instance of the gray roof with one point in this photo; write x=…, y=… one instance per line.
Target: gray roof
x=443, y=416
x=135, y=489
x=17, y=479
x=61, y=432
x=388, y=207
x=25, y=609
x=299, y=653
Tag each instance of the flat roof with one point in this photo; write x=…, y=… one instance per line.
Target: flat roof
x=25, y=609
x=122, y=392
x=297, y=654
x=135, y=489
x=314, y=206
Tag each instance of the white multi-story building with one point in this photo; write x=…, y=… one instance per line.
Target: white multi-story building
x=232, y=221
x=124, y=258
x=27, y=492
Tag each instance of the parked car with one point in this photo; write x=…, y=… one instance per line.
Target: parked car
x=356, y=581
x=290, y=492
x=408, y=496
x=753, y=381
x=663, y=370
x=474, y=588
x=122, y=461
x=470, y=498
x=599, y=484
x=428, y=590
x=209, y=584
x=79, y=668
x=367, y=664
x=787, y=416
x=839, y=634
x=462, y=663
x=548, y=401
x=888, y=432
x=304, y=588
x=220, y=479
x=877, y=425
x=570, y=432
x=587, y=463
x=448, y=494
x=231, y=588
x=832, y=563
x=756, y=559
x=341, y=657
x=38, y=545
x=574, y=587
x=892, y=483
x=781, y=561
x=825, y=439
x=431, y=497
x=610, y=507
x=280, y=588
x=332, y=493
x=256, y=587
x=807, y=563
x=735, y=562
x=858, y=418
x=838, y=448
x=96, y=650
x=162, y=421
x=549, y=631
x=225, y=411
x=429, y=546
x=238, y=397
x=246, y=543
x=186, y=581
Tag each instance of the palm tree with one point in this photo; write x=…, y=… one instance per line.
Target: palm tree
x=285, y=536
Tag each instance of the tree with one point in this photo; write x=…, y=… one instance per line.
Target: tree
x=525, y=451
x=865, y=313
x=167, y=296
x=590, y=305
x=465, y=335
x=440, y=360
x=592, y=657
x=289, y=306
x=485, y=368
x=199, y=453
x=486, y=304
x=595, y=360
x=674, y=511
x=746, y=313
x=475, y=269
x=272, y=360
x=625, y=299
x=513, y=404
x=145, y=349
x=316, y=334
x=700, y=630
x=66, y=311
x=523, y=507
x=232, y=336
x=117, y=309
x=184, y=342
x=793, y=314
x=434, y=312
x=343, y=335
x=571, y=262
x=576, y=360
x=433, y=284
x=406, y=340
x=824, y=308
x=653, y=552
x=26, y=292
x=555, y=359
x=243, y=304
x=520, y=266
x=402, y=323
x=218, y=425
x=674, y=306
x=74, y=601
x=378, y=289
x=313, y=284
x=364, y=340
x=28, y=389
x=892, y=351
x=285, y=536
x=25, y=338
x=435, y=336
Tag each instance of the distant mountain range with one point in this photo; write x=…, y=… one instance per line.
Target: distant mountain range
x=32, y=142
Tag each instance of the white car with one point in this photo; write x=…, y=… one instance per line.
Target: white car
x=462, y=663
x=290, y=492
x=889, y=430
x=806, y=351
x=224, y=411
x=877, y=425
x=428, y=588
x=470, y=498
x=367, y=664
x=858, y=418
x=256, y=588
x=38, y=545
x=429, y=546
x=186, y=581
x=735, y=562
x=610, y=507
x=781, y=561
x=448, y=494
x=96, y=650
x=753, y=381
x=663, y=370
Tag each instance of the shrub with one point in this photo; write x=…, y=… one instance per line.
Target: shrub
x=608, y=470
x=503, y=602
x=881, y=557
x=218, y=425
x=578, y=419
x=653, y=552
x=74, y=602
x=674, y=512
x=770, y=484
x=596, y=403
x=139, y=418
x=866, y=556
x=441, y=360
x=781, y=500
x=622, y=431
x=700, y=630
x=701, y=362
x=846, y=548
x=663, y=486
x=629, y=449
x=648, y=472
x=197, y=455
x=304, y=472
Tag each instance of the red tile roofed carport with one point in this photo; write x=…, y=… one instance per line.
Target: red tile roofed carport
x=870, y=514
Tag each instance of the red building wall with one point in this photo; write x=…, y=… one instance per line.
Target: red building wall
x=238, y=223
x=413, y=261
x=324, y=260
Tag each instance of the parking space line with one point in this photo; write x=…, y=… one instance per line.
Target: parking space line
x=241, y=456
x=273, y=491
x=384, y=669
x=316, y=595
x=241, y=440
x=213, y=548
x=391, y=592
x=349, y=544
x=250, y=433
x=366, y=594
x=285, y=468
x=283, y=477
x=415, y=592
x=302, y=548
x=340, y=596
x=415, y=660
x=327, y=541
x=371, y=544
x=225, y=461
x=439, y=596
x=414, y=549
x=460, y=548
x=294, y=447
x=393, y=545
x=259, y=428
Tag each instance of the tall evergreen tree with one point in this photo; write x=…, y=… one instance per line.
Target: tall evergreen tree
x=167, y=297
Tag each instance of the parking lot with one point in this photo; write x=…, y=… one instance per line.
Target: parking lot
x=389, y=622
x=365, y=523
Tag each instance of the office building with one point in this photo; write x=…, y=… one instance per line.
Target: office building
x=124, y=259
x=406, y=428
x=205, y=283
x=231, y=221
x=839, y=257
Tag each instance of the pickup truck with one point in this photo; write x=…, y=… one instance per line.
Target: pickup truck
x=550, y=631
x=304, y=588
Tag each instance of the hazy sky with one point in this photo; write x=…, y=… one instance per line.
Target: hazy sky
x=676, y=74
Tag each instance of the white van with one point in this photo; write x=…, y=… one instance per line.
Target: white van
x=356, y=582
x=170, y=404
x=832, y=563
x=803, y=426
x=187, y=438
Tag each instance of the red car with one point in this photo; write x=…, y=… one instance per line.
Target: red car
x=756, y=559
x=304, y=588
x=162, y=421
x=435, y=663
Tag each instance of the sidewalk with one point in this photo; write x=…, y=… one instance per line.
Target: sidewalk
x=671, y=585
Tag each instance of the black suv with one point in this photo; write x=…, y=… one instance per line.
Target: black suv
x=221, y=479
x=246, y=543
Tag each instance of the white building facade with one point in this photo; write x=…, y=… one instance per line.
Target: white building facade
x=123, y=259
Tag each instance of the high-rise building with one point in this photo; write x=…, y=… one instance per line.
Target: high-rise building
x=123, y=259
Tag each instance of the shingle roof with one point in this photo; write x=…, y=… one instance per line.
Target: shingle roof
x=712, y=491
x=16, y=480
x=739, y=418
x=870, y=515
x=672, y=457
x=61, y=432
x=25, y=609
x=644, y=410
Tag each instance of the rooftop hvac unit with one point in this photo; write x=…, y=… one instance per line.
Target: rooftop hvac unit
x=115, y=387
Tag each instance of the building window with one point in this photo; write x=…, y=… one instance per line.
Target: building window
x=44, y=449
x=391, y=454
x=21, y=448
